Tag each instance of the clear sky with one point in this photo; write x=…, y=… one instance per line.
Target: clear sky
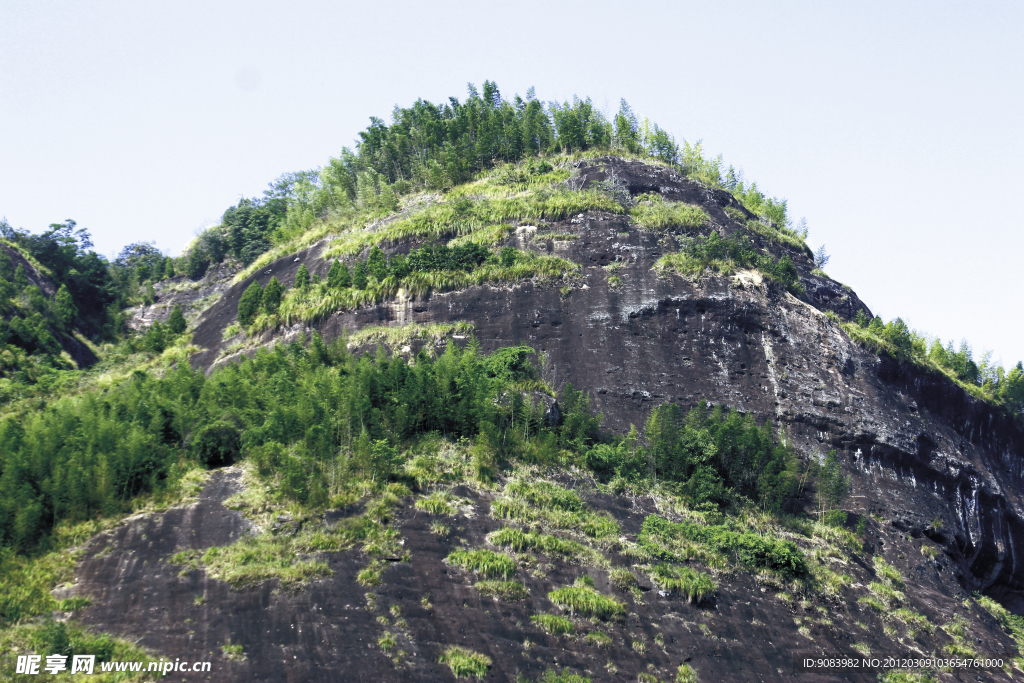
x=895, y=128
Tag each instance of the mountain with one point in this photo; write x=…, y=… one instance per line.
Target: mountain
x=589, y=414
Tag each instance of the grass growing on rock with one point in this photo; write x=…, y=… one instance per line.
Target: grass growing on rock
x=440, y=503
x=551, y=505
x=486, y=563
x=552, y=546
x=401, y=335
x=254, y=559
x=580, y=599
x=509, y=591
x=651, y=212
x=465, y=663
x=695, y=586
x=553, y=624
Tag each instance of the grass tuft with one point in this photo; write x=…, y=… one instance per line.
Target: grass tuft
x=486, y=563
x=553, y=624
x=465, y=663
x=584, y=601
x=509, y=591
x=693, y=585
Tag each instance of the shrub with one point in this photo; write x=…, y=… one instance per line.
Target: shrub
x=484, y=562
x=464, y=662
x=693, y=585
x=686, y=674
x=565, y=677
x=751, y=550
x=553, y=624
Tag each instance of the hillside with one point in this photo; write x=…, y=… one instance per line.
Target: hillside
x=584, y=415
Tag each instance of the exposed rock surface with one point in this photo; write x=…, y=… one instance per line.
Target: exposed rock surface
x=922, y=450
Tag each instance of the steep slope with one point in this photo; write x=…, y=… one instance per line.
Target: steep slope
x=38, y=277
x=936, y=476
x=731, y=341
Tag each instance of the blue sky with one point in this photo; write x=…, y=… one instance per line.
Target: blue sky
x=895, y=128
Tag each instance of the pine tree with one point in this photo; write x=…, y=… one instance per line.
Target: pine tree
x=168, y=268
x=302, y=277
x=359, y=279
x=334, y=275
x=377, y=264
x=344, y=277
x=176, y=321
x=272, y=296
x=249, y=304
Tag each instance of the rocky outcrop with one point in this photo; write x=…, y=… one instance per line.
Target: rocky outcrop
x=925, y=452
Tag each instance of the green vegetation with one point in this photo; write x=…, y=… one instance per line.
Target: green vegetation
x=509, y=591
x=886, y=571
x=483, y=562
x=693, y=585
x=465, y=663
x=582, y=600
x=1011, y=623
x=726, y=256
x=553, y=624
x=686, y=674
x=714, y=456
x=549, y=504
x=597, y=639
x=748, y=549
x=654, y=213
x=440, y=503
x=984, y=379
x=550, y=676
x=553, y=546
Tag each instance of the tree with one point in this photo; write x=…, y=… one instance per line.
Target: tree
x=833, y=485
x=197, y=263
x=627, y=134
x=176, y=321
x=359, y=279
x=272, y=296
x=249, y=304
x=155, y=340
x=168, y=268
x=377, y=264
x=64, y=307
x=821, y=257
x=302, y=277
x=334, y=274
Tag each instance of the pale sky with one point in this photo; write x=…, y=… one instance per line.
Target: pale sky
x=895, y=128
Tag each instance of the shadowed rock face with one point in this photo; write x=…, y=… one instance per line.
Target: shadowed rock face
x=920, y=449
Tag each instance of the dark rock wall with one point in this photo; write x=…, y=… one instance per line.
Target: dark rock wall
x=923, y=448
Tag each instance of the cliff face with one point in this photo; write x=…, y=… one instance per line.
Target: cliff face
x=930, y=464
x=926, y=450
